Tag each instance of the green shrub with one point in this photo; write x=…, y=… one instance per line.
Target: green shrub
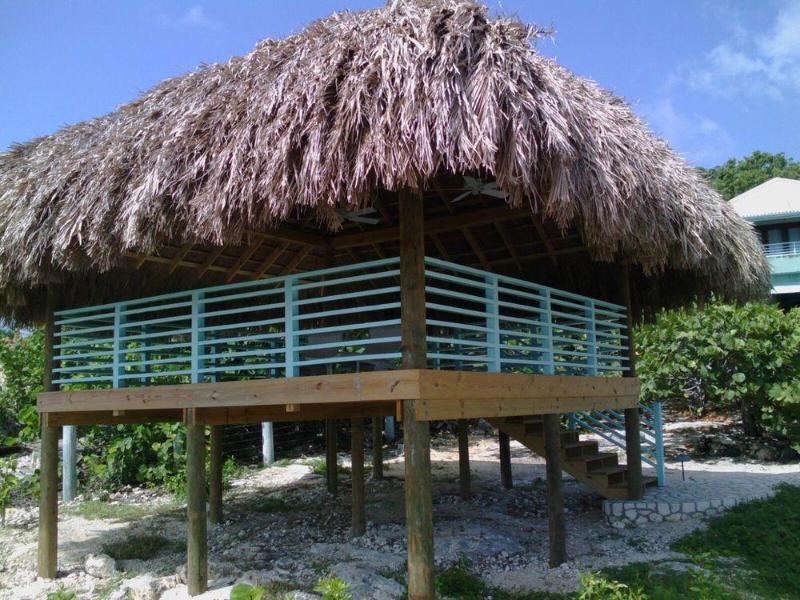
x=21, y=364
x=725, y=356
x=458, y=581
x=596, y=587
x=333, y=588
x=243, y=591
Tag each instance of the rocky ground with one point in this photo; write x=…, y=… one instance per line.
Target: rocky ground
x=282, y=529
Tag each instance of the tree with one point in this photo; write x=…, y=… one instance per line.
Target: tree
x=736, y=176
x=730, y=357
x=21, y=365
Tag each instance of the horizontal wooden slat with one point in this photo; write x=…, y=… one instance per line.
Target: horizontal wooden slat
x=323, y=389
x=108, y=417
x=465, y=385
x=472, y=408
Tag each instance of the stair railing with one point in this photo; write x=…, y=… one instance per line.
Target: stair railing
x=610, y=426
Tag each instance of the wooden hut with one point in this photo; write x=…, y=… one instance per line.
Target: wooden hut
x=405, y=211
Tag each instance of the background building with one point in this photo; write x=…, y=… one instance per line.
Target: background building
x=774, y=208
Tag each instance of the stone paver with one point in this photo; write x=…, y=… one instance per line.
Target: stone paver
x=708, y=490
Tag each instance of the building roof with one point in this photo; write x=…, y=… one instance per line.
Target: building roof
x=775, y=198
x=355, y=106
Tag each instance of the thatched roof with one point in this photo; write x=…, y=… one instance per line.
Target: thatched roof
x=353, y=106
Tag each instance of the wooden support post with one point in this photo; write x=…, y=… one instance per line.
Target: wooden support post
x=633, y=436
x=505, y=461
x=555, y=490
x=377, y=448
x=215, y=476
x=331, y=460
x=416, y=434
x=197, y=542
x=48, y=482
x=463, y=459
x=359, y=526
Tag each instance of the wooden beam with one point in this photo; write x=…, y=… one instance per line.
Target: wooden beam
x=633, y=435
x=506, y=477
x=331, y=458
x=298, y=258
x=270, y=260
x=555, y=490
x=487, y=408
x=215, y=474
x=243, y=258
x=494, y=387
x=377, y=448
x=476, y=248
x=212, y=257
x=108, y=417
x=196, y=533
x=359, y=521
x=374, y=386
x=48, y=479
x=463, y=459
x=179, y=256
x=537, y=224
x=510, y=246
x=455, y=394
x=419, y=501
x=438, y=225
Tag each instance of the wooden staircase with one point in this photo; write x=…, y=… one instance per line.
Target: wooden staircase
x=582, y=459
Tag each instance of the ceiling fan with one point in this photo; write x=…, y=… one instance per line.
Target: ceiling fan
x=476, y=187
x=357, y=216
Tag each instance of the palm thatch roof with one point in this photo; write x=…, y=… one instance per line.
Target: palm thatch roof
x=352, y=108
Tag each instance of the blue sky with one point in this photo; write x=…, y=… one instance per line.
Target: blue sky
x=716, y=78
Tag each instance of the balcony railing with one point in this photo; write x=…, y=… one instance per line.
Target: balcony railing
x=335, y=320
x=348, y=319
x=782, y=249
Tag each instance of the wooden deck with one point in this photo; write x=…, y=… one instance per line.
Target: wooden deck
x=441, y=395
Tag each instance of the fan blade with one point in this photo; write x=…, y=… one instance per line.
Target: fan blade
x=460, y=197
x=494, y=193
x=366, y=220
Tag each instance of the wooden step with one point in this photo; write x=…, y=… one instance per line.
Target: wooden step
x=597, y=461
x=612, y=475
x=580, y=449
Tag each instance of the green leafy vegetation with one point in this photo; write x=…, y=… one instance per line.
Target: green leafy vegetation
x=142, y=547
x=734, y=358
x=21, y=366
x=737, y=176
x=333, y=588
x=243, y=591
x=62, y=594
x=320, y=467
x=458, y=581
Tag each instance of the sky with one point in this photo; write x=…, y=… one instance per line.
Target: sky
x=716, y=78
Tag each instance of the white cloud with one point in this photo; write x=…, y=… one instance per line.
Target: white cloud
x=193, y=18
x=699, y=139
x=751, y=64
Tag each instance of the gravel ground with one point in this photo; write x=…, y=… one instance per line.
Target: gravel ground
x=282, y=526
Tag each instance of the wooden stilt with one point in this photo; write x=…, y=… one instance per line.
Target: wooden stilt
x=463, y=459
x=555, y=490
x=215, y=476
x=377, y=448
x=331, y=460
x=633, y=436
x=505, y=461
x=416, y=434
x=197, y=542
x=48, y=502
x=48, y=473
x=357, y=455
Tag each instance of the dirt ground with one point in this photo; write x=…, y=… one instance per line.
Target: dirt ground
x=282, y=527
